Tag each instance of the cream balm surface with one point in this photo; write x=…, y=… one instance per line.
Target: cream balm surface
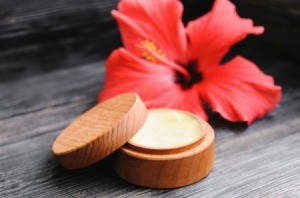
x=166, y=129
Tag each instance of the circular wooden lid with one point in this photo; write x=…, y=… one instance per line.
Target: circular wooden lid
x=100, y=131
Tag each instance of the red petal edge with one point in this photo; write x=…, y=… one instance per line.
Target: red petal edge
x=157, y=21
x=212, y=35
x=239, y=91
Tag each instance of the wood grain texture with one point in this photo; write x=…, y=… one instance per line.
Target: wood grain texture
x=51, y=70
x=167, y=168
x=38, y=36
x=257, y=161
x=100, y=131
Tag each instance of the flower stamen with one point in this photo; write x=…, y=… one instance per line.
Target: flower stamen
x=151, y=51
x=154, y=54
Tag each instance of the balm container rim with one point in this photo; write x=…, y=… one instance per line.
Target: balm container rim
x=177, y=153
x=180, y=147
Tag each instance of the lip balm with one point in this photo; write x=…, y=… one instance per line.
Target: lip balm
x=167, y=129
x=172, y=149
x=157, y=148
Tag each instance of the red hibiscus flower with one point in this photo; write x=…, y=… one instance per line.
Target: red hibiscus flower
x=172, y=66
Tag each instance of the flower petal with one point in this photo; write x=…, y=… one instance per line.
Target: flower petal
x=155, y=84
x=239, y=91
x=156, y=21
x=212, y=35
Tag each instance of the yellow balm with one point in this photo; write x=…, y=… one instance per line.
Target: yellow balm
x=167, y=129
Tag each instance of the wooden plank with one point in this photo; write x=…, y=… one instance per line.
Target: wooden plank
x=50, y=89
x=42, y=96
x=39, y=35
x=260, y=160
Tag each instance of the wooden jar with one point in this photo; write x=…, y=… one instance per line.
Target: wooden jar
x=108, y=126
x=167, y=168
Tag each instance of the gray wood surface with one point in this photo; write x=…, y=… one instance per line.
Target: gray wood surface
x=51, y=70
x=258, y=161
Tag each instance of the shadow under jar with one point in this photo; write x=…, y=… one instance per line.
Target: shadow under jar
x=172, y=149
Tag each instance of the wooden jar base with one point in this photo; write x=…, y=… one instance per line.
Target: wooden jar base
x=167, y=168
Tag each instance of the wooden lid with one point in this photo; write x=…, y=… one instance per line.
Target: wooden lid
x=100, y=131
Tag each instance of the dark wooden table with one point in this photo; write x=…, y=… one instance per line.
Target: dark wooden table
x=45, y=84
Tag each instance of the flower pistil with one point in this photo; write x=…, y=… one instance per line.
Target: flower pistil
x=195, y=76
